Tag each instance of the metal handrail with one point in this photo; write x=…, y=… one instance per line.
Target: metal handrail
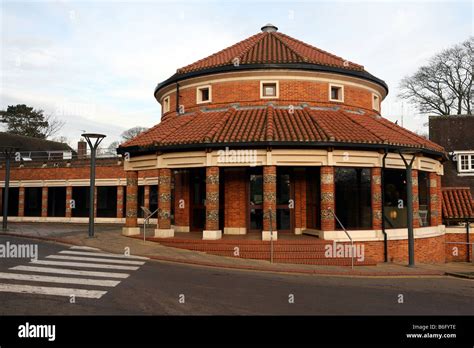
x=150, y=214
x=348, y=236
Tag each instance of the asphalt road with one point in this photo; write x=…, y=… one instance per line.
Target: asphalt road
x=157, y=288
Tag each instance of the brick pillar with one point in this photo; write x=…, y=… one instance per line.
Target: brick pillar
x=44, y=202
x=440, y=201
x=211, y=230
x=300, y=200
x=376, y=190
x=119, y=213
x=131, y=221
x=434, y=200
x=68, y=201
x=164, y=229
x=269, y=202
x=21, y=201
x=181, y=201
x=416, y=199
x=327, y=199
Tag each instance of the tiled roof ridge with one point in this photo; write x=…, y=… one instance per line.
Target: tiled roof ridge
x=354, y=120
x=287, y=37
x=250, y=47
x=329, y=135
x=302, y=57
x=177, y=126
x=270, y=129
x=219, y=125
x=194, y=66
x=315, y=129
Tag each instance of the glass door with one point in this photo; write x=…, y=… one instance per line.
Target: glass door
x=255, y=200
x=285, y=200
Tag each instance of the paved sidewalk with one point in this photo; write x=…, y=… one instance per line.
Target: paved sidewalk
x=109, y=238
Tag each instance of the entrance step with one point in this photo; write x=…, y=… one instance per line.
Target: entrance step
x=307, y=251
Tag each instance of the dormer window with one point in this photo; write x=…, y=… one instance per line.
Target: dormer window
x=203, y=94
x=269, y=89
x=375, y=102
x=336, y=93
x=166, y=104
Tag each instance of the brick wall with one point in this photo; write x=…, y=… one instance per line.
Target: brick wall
x=181, y=200
x=235, y=196
x=458, y=252
x=290, y=92
x=300, y=198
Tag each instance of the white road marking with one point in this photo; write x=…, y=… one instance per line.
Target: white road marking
x=132, y=257
x=95, y=259
x=82, y=264
x=44, y=290
x=84, y=248
x=70, y=271
x=62, y=280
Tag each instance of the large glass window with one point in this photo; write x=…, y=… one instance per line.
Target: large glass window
x=313, y=198
x=13, y=194
x=353, y=198
x=33, y=201
x=395, y=197
x=107, y=201
x=284, y=200
x=57, y=201
x=80, y=195
x=256, y=199
x=424, y=198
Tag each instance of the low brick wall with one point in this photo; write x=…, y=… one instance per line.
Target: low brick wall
x=458, y=252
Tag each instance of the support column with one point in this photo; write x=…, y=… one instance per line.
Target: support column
x=68, y=201
x=269, y=203
x=440, y=201
x=44, y=202
x=376, y=190
x=416, y=199
x=327, y=199
x=434, y=200
x=95, y=201
x=164, y=229
x=300, y=200
x=21, y=201
x=181, y=201
x=131, y=221
x=119, y=202
x=211, y=231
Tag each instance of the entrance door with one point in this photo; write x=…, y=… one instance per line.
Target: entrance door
x=197, y=208
x=255, y=200
x=285, y=200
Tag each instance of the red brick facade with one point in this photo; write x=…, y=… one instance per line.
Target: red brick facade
x=235, y=204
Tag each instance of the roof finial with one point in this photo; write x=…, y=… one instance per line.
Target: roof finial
x=269, y=28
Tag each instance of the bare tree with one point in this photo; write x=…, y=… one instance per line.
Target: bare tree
x=132, y=132
x=54, y=125
x=444, y=86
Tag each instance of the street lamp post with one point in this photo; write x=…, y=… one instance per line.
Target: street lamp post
x=8, y=152
x=411, y=237
x=94, y=141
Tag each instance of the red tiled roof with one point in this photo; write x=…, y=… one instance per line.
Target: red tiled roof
x=457, y=203
x=261, y=124
x=270, y=48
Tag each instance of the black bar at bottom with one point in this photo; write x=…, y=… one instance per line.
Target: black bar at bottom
x=223, y=330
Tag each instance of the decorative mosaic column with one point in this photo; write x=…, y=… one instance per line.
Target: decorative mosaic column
x=164, y=229
x=327, y=199
x=434, y=200
x=119, y=213
x=21, y=201
x=131, y=221
x=376, y=190
x=44, y=202
x=211, y=231
x=68, y=201
x=269, y=203
x=416, y=199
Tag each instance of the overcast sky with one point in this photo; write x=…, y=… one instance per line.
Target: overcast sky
x=95, y=64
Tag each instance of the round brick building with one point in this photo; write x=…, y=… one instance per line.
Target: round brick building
x=272, y=137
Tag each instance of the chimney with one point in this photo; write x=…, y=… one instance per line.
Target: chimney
x=81, y=149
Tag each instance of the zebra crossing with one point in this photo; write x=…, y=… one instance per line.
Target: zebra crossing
x=60, y=274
